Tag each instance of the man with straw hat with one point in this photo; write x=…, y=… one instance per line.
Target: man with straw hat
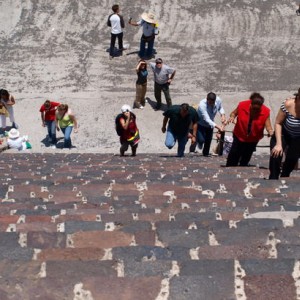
x=150, y=29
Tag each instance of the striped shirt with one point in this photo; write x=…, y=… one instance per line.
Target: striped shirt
x=291, y=124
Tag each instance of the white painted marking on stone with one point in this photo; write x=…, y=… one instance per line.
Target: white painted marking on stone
x=158, y=243
x=266, y=202
x=246, y=213
x=50, y=196
x=194, y=253
x=233, y=224
x=249, y=187
x=239, y=284
x=171, y=217
x=63, y=212
x=202, y=210
x=143, y=206
x=193, y=226
x=75, y=206
x=296, y=276
x=135, y=216
x=164, y=292
x=74, y=189
x=151, y=257
x=110, y=226
x=69, y=241
x=36, y=252
x=287, y=217
x=209, y=193
x=60, y=227
x=53, y=218
x=157, y=210
x=212, y=239
x=133, y=242
x=214, y=204
x=111, y=210
x=23, y=240
x=44, y=177
x=171, y=195
x=79, y=194
x=184, y=206
x=11, y=188
x=98, y=218
x=21, y=219
x=11, y=228
x=195, y=187
x=80, y=293
x=222, y=189
x=44, y=189
x=141, y=186
x=32, y=194
x=153, y=226
x=218, y=217
x=107, y=254
x=43, y=270
x=69, y=177
x=84, y=200
x=272, y=241
x=8, y=200
x=120, y=269
x=12, y=212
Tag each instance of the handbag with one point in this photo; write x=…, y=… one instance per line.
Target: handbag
x=3, y=111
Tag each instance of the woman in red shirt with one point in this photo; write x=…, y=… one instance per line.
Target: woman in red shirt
x=130, y=133
x=252, y=117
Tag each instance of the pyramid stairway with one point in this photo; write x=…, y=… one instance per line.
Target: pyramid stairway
x=97, y=226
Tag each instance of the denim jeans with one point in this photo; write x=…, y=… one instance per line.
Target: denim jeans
x=67, y=133
x=51, y=131
x=149, y=52
x=113, y=38
x=171, y=140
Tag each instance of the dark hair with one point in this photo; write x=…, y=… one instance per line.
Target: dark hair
x=298, y=93
x=4, y=93
x=143, y=62
x=184, y=106
x=115, y=8
x=257, y=98
x=47, y=103
x=211, y=96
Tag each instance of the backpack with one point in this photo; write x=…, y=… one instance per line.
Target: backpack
x=118, y=126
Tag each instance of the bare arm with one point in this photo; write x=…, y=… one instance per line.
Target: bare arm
x=125, y=122
x=165, y=122
x=268, y=127
x=278, y=150
x=43, y=118
x=73, y=119
x=132, y=23
x=172, y=76
x=232, y=116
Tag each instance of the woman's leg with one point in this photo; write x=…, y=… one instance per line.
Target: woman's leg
x=143, y=93
x=275, y=162
x=123, y=148
x=291, y=158
x=247, y=151
x=138, y=96
x=234, y=154
x=3, y=122
x=67, y=133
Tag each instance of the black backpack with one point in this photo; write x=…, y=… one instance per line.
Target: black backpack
x=118, y=126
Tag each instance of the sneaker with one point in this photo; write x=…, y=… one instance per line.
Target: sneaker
x=141, y=107
x=53, y=147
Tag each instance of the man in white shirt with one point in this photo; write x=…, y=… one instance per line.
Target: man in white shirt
x=207, y=110
x=116, y=22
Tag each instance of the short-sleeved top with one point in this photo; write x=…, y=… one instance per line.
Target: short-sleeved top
x=291, y=124
x=148, y=28
x=161, y=75
x=241, y=128
x=178, y=125
x=116, y=22
x=207, y=112
x=16, y=143
x=65, y=121
x=50, y=112
x=142, y=76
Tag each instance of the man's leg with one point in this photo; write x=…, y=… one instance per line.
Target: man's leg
x=208, y=137
x=150, y=49
x=166, y=91
x=170, y=139
x=112, y=44
x=181, y=145
x=142, y=48
x=157, y=94
x=120, y=40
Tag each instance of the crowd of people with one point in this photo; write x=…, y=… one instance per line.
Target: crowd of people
x=180, y=122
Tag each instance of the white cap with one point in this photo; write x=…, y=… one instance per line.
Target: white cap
x=125, y=108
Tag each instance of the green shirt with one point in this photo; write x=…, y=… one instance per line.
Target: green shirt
x=178, y=125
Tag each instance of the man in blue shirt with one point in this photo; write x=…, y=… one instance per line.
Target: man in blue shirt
x=207, y=110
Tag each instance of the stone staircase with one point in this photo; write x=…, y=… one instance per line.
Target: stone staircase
x=97, y=226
